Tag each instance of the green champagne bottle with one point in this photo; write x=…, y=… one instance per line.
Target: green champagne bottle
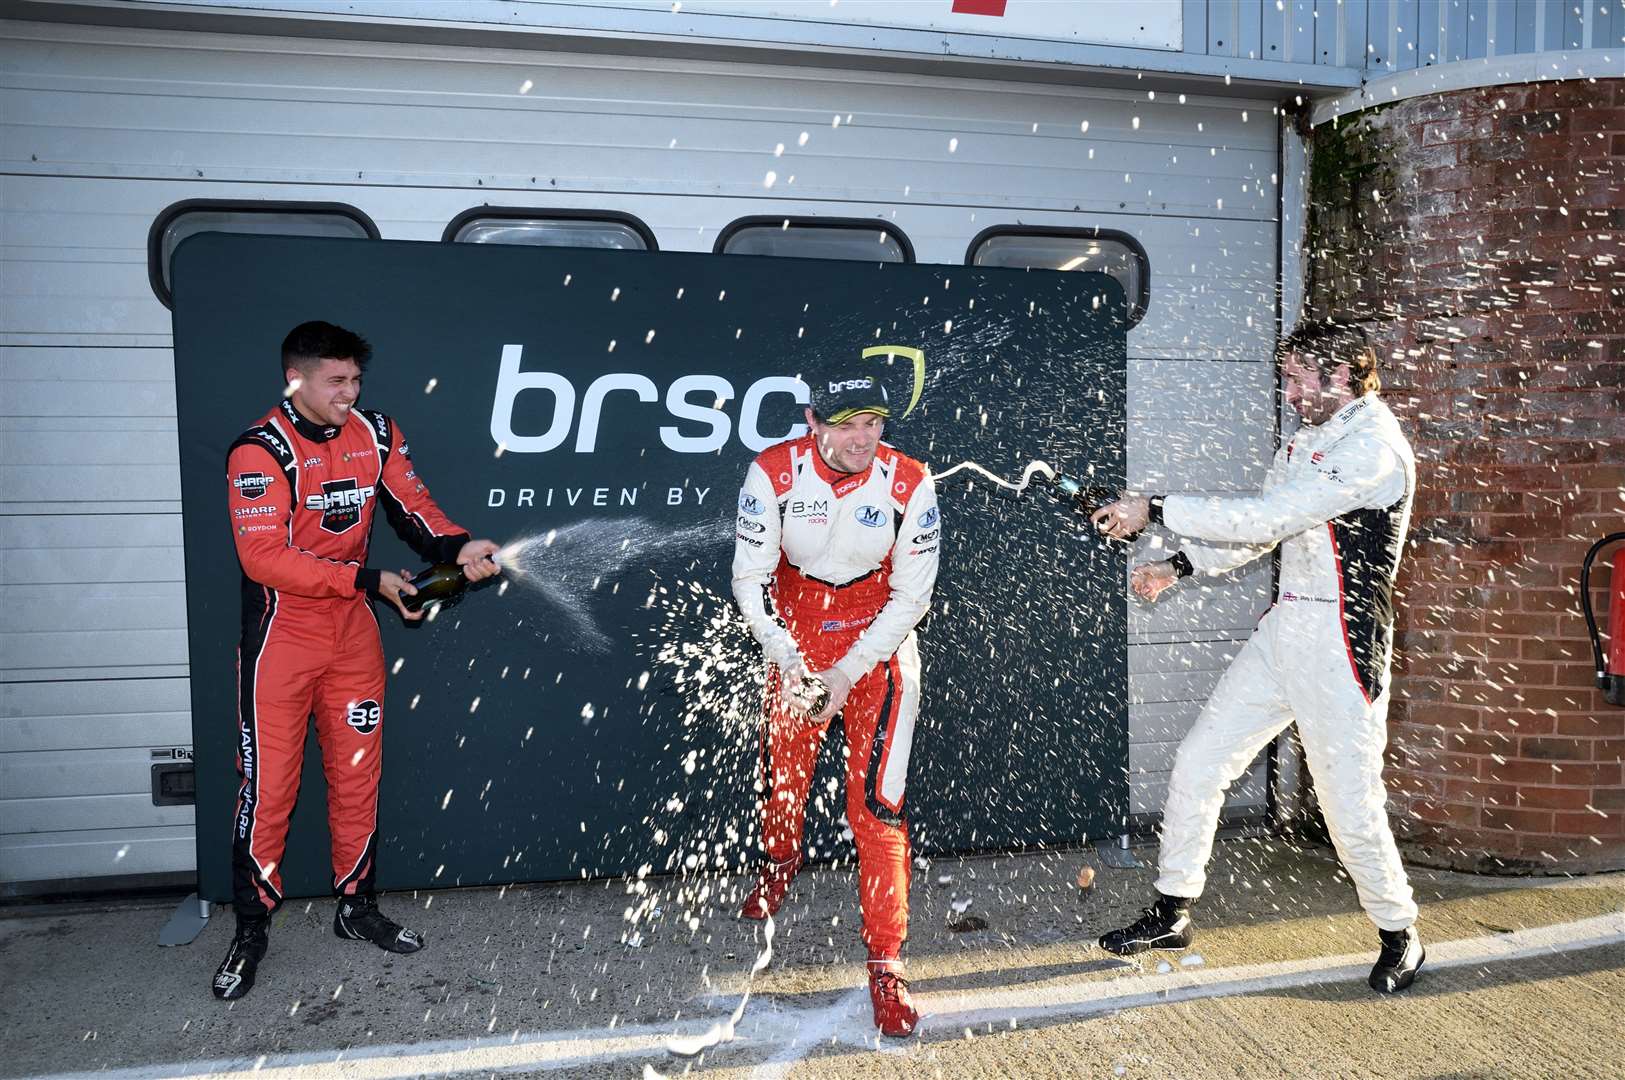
x=1084, y=497
x=440, y=583
x=1087, y=497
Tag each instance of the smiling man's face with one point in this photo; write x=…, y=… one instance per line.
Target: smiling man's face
x=327, y=392
x=849, y=446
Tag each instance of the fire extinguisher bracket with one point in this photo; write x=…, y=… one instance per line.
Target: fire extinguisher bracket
x=1610, y=668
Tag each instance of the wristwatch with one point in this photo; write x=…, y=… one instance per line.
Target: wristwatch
x=1155, y=508
x=1182, y=565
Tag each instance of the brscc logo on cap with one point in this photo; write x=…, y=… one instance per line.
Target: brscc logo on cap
x=851, y=384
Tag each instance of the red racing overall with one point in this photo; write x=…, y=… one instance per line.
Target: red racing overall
x=851, y=561
x=302, y=497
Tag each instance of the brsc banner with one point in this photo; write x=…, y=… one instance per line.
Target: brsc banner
x=598, y=711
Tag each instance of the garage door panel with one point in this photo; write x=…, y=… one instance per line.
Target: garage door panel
x=1213, y=654
x=82, y=483
x=85, y=698
x=43, y=397
x=89, y=565
x=1171, y=687
x=111, y=606
x=98, y=853
x=1154, y=723
x=1200, y=458
x=82, y=812
x=146, y=730
x=90, y=531
x=1149, y=792
x=28, y=774
x=92, y=650
x=72, y=445
x=87, y=365
x=1233, y=604
x=1239, y=393
x=112, y=672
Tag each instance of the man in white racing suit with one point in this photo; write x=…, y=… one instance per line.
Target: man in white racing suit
x=1337, y=500
x=841, y=532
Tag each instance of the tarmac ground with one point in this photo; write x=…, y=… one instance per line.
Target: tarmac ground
x=1524, y=979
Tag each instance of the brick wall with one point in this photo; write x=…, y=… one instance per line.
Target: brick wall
x=1485, y=231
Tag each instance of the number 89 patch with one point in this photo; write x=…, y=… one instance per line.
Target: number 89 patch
x=364, y=716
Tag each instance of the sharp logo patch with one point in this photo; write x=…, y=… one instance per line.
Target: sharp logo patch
x=340, y=502
x=252, y=485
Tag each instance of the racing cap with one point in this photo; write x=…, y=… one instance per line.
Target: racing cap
x=841, y=393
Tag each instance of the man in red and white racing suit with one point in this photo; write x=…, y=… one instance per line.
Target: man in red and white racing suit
x=303, y=483
x=1338, y=501
x=843, y=531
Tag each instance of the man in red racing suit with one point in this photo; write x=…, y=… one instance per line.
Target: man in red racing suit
x=844, y=531
x=303, y=484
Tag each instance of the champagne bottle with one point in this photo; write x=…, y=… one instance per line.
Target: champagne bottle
x=1083, y=496
x=1087, y=497
x=440, y=583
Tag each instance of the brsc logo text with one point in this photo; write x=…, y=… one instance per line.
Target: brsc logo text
x=696, y=399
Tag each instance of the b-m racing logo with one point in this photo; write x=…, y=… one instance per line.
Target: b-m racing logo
x=340, y=504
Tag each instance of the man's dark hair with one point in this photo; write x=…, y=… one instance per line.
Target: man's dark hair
x=308, y=344
x=1326, y=343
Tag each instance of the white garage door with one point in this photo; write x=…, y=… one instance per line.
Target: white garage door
x=100, y=130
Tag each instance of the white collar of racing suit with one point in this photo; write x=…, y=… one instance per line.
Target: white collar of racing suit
x=1353, y=415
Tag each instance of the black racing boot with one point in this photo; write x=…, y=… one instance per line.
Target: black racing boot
x=358, y=919
x=1401, y=959
x=234, y=978
x=1166, y=924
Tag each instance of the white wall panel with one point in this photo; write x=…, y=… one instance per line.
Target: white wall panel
x=1248, y=795
x=119, y=771
x=100, y=130
x=117, y=606
x=81, y=812
x=149, y=730
x=52, y=856
x=47, y=655
x=21, y=700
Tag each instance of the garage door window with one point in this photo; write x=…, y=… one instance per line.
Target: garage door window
x=534, y=227
x=1036, y=248
x=267, y=218
x=853, y=239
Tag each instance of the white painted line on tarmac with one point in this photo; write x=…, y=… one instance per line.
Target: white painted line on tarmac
x=555, y=1050
x=796, y=1031
x=1082, y=999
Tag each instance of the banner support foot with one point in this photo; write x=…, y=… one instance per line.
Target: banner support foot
x=186, y=922
x=1117, y=856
